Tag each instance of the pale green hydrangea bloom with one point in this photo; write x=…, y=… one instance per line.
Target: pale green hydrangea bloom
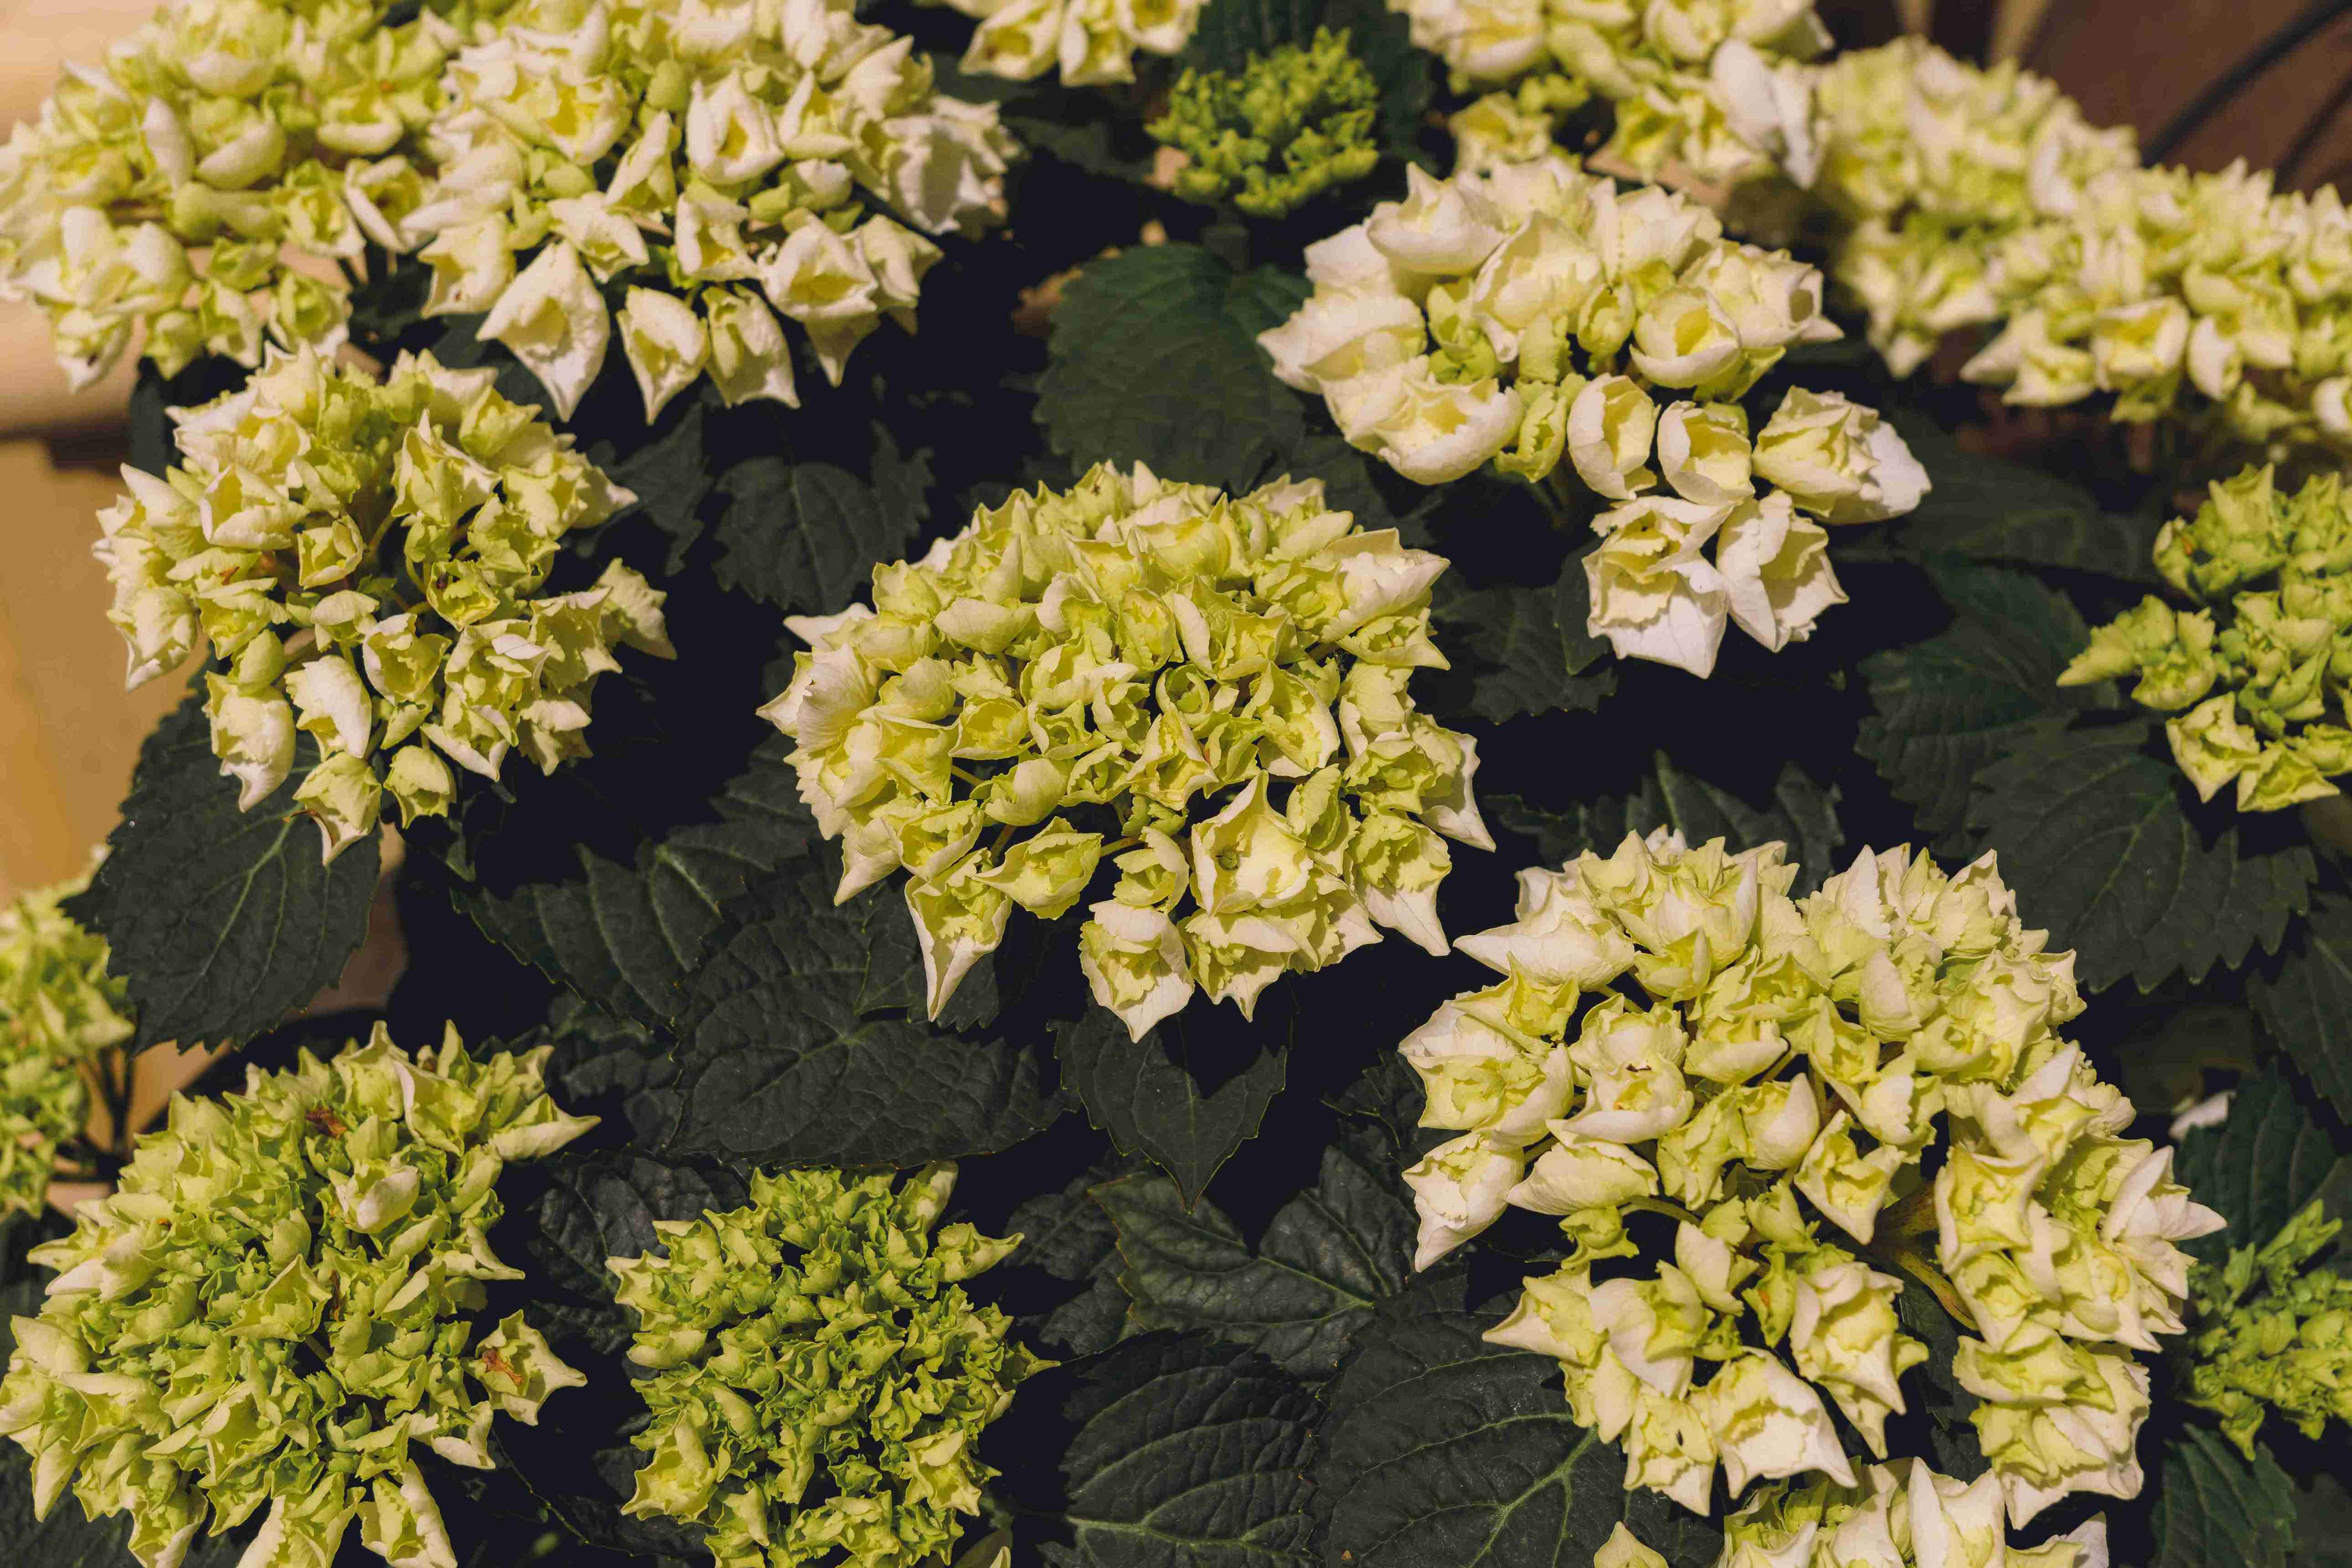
x=283, y=1302
x=709, y=158
x=2256, y=674
x=820, y=1378
x=1536, y=317
x=58, y=1010
x=1778, y=1079
x=1089, y=41
x=1210, y=693
x=1980, y=196
x=364, y=559
x=2273, y=1332
x=164, y=190
x=1287, y=128
x=1706, y=89
x=1899, y=1516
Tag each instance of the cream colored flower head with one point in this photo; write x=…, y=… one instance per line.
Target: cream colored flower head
x=1709, y=89
x=1537, y=318
x=59, y=1009
x=819, y=1378
x=282, y=1307
x=1200, y=702
x=1089, y=42
x=1735, y=1093
x=202, y=190
x=1901, y=1515
x=365, y=563
x=690, y=177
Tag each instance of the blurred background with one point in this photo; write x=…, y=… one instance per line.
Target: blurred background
x=2203, y=80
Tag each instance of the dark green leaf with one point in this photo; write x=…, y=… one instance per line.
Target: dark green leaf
x=1330, y=1256
x=1443, y=1451
x=2259, y=1166
x=1063, y=1283
x=221, y=921
x=628, y=938
x=1988, y=508
x=1948, y=706
x=1932, y=1393
x=2308, y=1005
x=1155, y=360
x=1526, y=648
x=806, y=1044
x=1189, y=1093
x=2097, y=841
x=667, y=467
x=1166, y=1451
x=804, y=537
x=2216, y=1509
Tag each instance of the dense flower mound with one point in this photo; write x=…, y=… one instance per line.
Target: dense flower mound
x=1284, y=130
x=279, y=1305
x=1220, y=683
x=1983, y=196
x=167, y=190
x=709, y=160
x=58, y=1009
x=364, y=560
x=1532, y=316
x=1089, y=41
x=2275, y=1334
x=1710, y=88
x=1899, y=1517
x=820, y=1378
x=1775, y=1080
x=2254, y=673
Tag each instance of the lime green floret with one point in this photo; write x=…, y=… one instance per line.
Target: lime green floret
x=2274, y=1333
x=58, y=1009
x=1284, y=128
x=2259, y=673
x=820, y=1378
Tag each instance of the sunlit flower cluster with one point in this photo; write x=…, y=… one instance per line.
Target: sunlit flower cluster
x=2257, y=675
x=1532, y=316
x=1982, y=197
x=364, y=559
x=169, y=190
x=1899, y=1517
x=820, y=1378
x=1710, y=88
x=1211, y=692
x=280, y=1305
x=1088, y=42
x=707, y=163
x=1767, y=1097
x=2273, y=1333
x=58, y=1009
x=1290, y=126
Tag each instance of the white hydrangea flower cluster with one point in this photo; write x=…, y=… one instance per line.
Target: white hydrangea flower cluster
x=1900, y=1515
x=1981, y=197
x=1784, y=1064
x=165, y=190
x=1221, y=683
x=1711, y=89
x=703, y=159
x=364, y=560
x=1530, y=316
x=284, y=1303
x=1089, y=41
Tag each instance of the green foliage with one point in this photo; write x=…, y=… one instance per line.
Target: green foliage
x=804, y=536
x=1331, y=1254
x=1443, y=1451
x=1525, y=650
x=2260, y=1165
x=2095, y=834
x=1187, y=1094
x=1988, y=508
x=2217, y=1510
x=1804, y=815
x=220, y=921
x=2307, y=1004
